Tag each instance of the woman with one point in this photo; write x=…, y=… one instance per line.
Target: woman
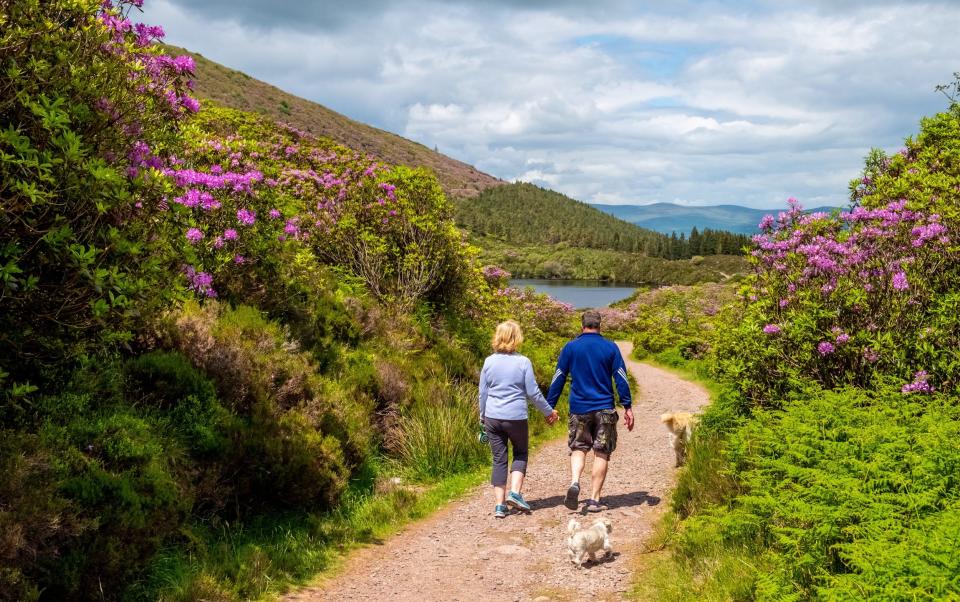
x=506, y=382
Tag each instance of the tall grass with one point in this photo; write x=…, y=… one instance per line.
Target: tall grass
x=441, y=440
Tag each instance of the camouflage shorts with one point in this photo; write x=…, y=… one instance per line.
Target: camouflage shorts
x=595, y=430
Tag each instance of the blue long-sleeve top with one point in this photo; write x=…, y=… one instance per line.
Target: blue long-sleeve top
x=593, y=364
x=506, y=382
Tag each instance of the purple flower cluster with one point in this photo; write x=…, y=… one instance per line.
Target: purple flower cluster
x=163, y=76
x=194, y=236
x=246, y=217
x=860, y=246
x=200, y=282
x=919, y=384
x=771, y=329
x=495, y=274
x=536, y=309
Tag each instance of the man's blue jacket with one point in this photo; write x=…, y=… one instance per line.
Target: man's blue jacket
x=593, y=363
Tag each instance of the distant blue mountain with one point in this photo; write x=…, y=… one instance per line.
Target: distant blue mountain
x=667, y=217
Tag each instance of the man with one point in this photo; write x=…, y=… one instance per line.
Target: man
x=594, y=364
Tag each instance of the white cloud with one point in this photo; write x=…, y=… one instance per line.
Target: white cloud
x=691, y=102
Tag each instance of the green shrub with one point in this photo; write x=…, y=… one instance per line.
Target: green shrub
x=164, y=378
x=35, y=519
x=126, y=479
x=285, y=461
x=167, y=381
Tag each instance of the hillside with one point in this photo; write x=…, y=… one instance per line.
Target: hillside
x=524, y=214
x=486, y=206
x=238, y=90
x=669, y=217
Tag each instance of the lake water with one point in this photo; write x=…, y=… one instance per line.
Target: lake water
x=579, y=293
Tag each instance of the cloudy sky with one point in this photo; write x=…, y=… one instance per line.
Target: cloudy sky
x=612, y=102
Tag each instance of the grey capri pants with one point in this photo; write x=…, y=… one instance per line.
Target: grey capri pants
x=499, y=432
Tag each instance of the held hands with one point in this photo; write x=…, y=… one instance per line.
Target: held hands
x=553, y=417
x=628, y=418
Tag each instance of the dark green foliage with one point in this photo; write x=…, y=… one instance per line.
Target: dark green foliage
x=286, y=461
x=165, y=378
x=167, y=381
x=35, y=519
x=524, y=214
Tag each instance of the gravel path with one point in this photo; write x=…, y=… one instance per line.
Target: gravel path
x=462, y=553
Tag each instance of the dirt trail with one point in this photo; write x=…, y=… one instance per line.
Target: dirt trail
x=462, y=553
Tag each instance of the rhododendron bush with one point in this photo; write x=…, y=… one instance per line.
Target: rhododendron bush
x=866, y=296
x=245, y=191
x=115, y=203
x=87, y=104
x=535, y=310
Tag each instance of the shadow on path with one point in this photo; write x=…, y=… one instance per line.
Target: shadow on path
x=620, y=500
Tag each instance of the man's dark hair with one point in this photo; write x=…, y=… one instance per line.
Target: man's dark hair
x=591, y=319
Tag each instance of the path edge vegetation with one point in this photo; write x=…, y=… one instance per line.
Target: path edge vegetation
x=826, y=466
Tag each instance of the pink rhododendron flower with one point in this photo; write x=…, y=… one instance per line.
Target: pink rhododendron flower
x=229, y=234
x=771, y=329
x=247, y=217
x=194, y=235
x=825, y=348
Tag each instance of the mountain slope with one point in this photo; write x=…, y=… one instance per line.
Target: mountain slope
x=668, y=217
x=238, y=90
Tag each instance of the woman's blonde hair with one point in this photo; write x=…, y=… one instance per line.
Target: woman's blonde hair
x=507, y=338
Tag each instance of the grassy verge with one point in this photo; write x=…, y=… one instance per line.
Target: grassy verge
x=656, y=575
x=261, y=559
x=693, y=370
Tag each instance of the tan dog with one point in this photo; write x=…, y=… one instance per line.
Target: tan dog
x=680, y=425
x=587, y=542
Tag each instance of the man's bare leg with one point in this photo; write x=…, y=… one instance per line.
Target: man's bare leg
x=598, y=474
x=577, y=461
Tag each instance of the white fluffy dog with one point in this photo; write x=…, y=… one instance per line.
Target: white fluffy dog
x=587, y=542
x=680, y=425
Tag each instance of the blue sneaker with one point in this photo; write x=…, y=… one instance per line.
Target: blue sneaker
x=499, y=511
x=516, y=501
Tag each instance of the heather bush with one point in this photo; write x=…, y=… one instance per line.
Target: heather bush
x=167, y=381
x=284, y=460
x=260, y=372
x=35, y=519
